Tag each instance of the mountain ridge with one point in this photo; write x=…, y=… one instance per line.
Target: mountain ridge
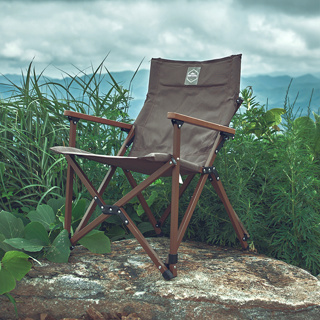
x=269, y=90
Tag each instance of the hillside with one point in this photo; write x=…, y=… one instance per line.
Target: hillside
x=269, y=90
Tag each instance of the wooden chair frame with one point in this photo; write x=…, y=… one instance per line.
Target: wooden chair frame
x=169, y=268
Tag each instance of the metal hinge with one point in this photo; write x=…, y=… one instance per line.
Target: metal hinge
x=73, y=119
x=225, y=136
x=178, y=122
x=211, y=171
x=111, y=209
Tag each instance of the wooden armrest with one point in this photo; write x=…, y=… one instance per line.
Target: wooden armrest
x=83, y=116
x=200, y=123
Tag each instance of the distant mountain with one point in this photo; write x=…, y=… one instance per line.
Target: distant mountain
x=269, y=90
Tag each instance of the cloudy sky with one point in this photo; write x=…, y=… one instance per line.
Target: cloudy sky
x=274, y=36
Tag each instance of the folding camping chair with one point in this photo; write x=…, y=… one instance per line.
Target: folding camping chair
x=181, y=127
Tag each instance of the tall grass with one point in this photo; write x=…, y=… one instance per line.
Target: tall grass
x=32, y=121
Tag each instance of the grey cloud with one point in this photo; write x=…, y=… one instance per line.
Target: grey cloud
x=291, y=7
x=63, y=34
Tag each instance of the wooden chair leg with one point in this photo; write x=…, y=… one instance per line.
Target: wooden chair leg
x=69, y=194
x=167, y=274
x=182, y=189
x=174, y=223
x=93, y=204
x=70, y=176
x=192, y=204
x=144, y=204
x=241, y=232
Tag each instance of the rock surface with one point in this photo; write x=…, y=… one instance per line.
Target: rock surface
x=212, y=283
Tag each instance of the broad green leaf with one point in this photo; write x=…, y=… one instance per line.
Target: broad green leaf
x=304, y=125
x=7, y=281
x=96, y=241
x=79, y=209
x=273, y=116
x=145, y=227
x=10, y=226
x=35, y=230
x=31, y=245
x=4, y=246
x=56, y=204
x=44, y=214
x=16, y=263
x=116, y=232
x=60, y=249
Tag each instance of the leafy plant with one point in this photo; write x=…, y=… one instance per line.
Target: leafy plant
x=13, y=267
x=262, y=123
x=44, y=235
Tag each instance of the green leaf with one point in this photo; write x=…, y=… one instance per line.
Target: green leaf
x=116, y=232
x=4, y=246
x=145, y=227
x=60, y=249
x=78, y=209
x=10, y=226
x=150, y=201
x=56, y=204
x=273, y=116
x=24, y=244
x=7, y=281
x=96, y=241
x=14, y=266
x=44, y=214
x=35, y=230
x=304, y=125
x=16, y=263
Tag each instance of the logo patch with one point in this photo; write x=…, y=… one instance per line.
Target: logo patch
x=192, y=76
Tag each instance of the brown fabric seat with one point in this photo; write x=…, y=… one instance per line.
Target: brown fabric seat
x=146, y=164
x=179, y=130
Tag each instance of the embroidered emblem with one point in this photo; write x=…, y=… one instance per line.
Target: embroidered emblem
x=192, y=76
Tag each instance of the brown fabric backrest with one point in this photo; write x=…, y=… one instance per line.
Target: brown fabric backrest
x=207, y=90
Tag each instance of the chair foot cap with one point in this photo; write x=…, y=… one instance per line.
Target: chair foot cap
x=167, y=275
